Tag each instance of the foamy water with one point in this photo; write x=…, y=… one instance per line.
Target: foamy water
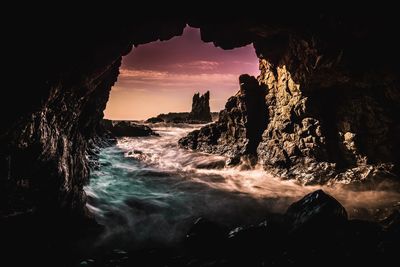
x=148, y=190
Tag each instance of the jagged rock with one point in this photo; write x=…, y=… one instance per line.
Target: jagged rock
x=337, y=70
x=127, y=128
x=315, y=211
x=200, y=112
x=237, y=131
x=201, y=108
x=314, y=131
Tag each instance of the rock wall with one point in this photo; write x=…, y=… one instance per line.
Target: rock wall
x=327, y=120
x=331, y=86
x=239, y=127
x=325, y=123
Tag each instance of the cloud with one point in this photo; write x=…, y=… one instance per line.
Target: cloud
x=162, y=79
x=162, y=76
x=199, y=65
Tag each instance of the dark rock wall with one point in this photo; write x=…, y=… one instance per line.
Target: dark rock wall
x=330, y=82
x=331, y=94
x=55, y=110
x=327, y=121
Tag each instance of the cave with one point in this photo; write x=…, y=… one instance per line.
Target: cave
x=331, y=87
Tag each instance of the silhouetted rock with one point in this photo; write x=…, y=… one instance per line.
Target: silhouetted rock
x=201, y=108
x=315, y=211
x=154, y=120
x=200, y=112
x=127, y=128
x=239, y=127
x=332, y=96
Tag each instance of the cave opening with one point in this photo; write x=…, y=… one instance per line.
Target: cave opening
x=150, y=191
x=162, y=76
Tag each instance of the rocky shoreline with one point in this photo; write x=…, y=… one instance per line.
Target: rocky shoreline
x=296, y=132
x=314, y=229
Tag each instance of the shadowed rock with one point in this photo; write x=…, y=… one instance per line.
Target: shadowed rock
x=314, y=211
x=239, y=127
x=201, y=108
x=127, y=129
x=200, y=112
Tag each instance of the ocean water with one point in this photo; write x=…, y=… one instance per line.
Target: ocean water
x=148, y=191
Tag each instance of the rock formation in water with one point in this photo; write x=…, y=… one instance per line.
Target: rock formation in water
x=325, y=120
x=200, y=112
x=126, y=128
x=331, y=82
x=239, y=127
x=315, y=225
x=201, y=108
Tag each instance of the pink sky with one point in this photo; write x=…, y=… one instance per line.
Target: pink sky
x=161, y=77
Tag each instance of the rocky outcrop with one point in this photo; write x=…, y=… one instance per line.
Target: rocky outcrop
x=201, y=108
x=199, y=114
x=334, y=75
x=320, y=130
x=171, y=117
x=325, y=120
x=315, y=225
x=179, y=117
x=314, y=211
x=127, y=128
x=239, y=127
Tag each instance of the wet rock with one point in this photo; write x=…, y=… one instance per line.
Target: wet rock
x=314, y=212
x=129, y=129
x=206, y=237
x=250, y=240
x=214, y=164
x=239, y=127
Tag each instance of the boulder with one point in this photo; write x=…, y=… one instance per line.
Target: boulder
x=127, y=129
x=314, y=212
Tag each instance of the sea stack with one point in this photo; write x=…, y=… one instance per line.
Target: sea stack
x=201, y=108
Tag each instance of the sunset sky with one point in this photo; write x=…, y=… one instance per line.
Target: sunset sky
x=161, y=77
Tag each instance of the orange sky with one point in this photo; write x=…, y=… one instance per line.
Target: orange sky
x=161, y=77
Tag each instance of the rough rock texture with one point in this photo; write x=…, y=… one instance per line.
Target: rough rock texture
x=127, y=128
x=334, y=75
x=201, y=108
x=325, y=124
x=56, y=109
x=314, y=211
x=331, y=112
x=239, y=127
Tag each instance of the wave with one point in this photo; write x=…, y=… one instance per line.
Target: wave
x=148, y=190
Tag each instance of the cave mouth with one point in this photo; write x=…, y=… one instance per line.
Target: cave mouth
x=45, y=137
x=162, y=76
x=148, y=191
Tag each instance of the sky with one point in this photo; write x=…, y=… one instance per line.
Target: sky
x=162, y=76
